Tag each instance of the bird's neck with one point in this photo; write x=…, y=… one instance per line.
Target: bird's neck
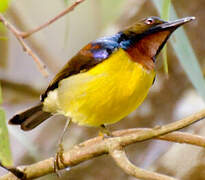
x=144, y=49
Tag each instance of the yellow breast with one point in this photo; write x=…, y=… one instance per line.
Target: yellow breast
x=103, y=95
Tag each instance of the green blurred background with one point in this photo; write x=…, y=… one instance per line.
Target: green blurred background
x=172, y=97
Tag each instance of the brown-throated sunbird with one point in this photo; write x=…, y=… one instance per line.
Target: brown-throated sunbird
x=107, y=79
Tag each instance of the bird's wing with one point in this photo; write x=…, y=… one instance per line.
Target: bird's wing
x=88, y=57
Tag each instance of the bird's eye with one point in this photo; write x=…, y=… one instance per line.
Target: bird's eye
x=149, y=21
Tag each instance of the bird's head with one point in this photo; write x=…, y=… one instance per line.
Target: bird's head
x=144, y=39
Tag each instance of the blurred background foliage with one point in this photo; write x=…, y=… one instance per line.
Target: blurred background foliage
x=5, y=151
x=170, y=99
x=164, y=11
x=3, y=40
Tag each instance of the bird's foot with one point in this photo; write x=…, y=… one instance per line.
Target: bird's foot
x=59, y=160
x=104, y=132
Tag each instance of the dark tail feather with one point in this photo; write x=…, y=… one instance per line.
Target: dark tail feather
x=30, y=118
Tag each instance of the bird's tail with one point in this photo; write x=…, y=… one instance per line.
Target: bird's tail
x=30, y=118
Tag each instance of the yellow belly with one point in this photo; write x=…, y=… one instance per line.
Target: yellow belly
x=103, y=95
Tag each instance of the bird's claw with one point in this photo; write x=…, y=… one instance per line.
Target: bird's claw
x=59, y=159
x=104, y=132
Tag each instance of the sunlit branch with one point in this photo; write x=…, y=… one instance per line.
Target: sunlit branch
x=99, y=146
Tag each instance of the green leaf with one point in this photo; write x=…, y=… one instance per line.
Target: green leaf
x=4, y=140
x=5, y=152
x=3, y=44
x=165, y=15
x=3, y=38
x=3, y=47
x=66, y=2
x=165, y=59
x=165, y=9
x=185, y=53
x=4, y=5
x=0, y=95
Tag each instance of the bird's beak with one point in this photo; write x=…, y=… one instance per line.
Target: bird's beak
x=172, y=25
x=169, y=26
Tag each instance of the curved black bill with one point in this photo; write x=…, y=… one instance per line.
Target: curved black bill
x=176, y=23
x=171, y=26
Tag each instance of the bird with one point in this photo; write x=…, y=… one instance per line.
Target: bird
x=107, y=79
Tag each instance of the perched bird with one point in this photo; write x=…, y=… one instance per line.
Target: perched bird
x=107, y=79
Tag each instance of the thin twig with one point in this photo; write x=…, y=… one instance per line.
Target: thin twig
x=99, y=146
x=49, y=58
x=67, y=10
x=26, y=48
x=21, y=35
x=121, y=159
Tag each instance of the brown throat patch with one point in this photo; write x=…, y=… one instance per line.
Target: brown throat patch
x=146, y=48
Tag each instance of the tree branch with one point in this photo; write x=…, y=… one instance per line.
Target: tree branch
x=178, y=137
x=99, y=146
x=121, y=159
x=64, y=12
x=26, y=48
x=21, y=35
x=152, y=133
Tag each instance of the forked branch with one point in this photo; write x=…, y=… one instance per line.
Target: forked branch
x=99, y=146
x=21, y=35
x=41, y=66
x=52, y=20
